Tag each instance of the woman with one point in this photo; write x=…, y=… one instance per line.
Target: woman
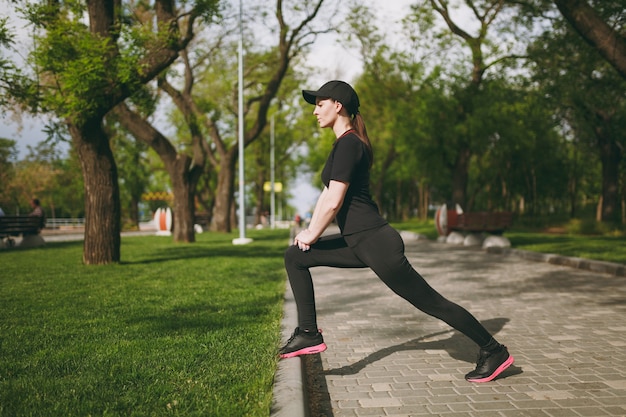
x=366, y=239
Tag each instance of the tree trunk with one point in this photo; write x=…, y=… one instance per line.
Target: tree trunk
x=610, y=155
x=133, y=211
x=259, y=212
x=623, y=202
x=205, y=194
x=183, y=186
x=424, y=197
x=224, y=196
x=460, y=174
x=102, y=198
x=183, y=175
x=572, y=187
x=233, y=214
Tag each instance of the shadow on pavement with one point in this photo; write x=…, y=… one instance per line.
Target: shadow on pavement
x=457, y=345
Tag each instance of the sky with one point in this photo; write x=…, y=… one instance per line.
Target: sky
x=333, y=59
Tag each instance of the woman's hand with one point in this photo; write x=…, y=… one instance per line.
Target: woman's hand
x=326, y=208
x=304, y=240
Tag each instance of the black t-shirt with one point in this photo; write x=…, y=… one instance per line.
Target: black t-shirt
x=349, y=162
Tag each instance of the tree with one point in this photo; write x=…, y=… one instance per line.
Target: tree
x=82, y=71
x=184, y=168
x=524, y=168
x=207, y=108
x=606, y=39
x=393, y=89
x=44, y=173
x=8, y=157
x=266, y=74
x=134, y=176
x=37, y=173
x=289, y=136
x=396, y=92
x=587, y=94
x=598, y=22
x=69, y=187
x=485, y=53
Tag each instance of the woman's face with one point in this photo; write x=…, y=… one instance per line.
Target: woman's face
x=326, y=111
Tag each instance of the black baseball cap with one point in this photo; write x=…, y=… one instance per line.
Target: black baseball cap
x=337, y=90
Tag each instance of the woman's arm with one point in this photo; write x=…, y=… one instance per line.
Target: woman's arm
x=326, y=208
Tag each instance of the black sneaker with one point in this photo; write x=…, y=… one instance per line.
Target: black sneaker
x=303, y=343
x=490, y=365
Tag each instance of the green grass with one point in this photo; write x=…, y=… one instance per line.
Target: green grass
x=609, y=246
x=175, y=329
x=424, y=227
x=600, y=248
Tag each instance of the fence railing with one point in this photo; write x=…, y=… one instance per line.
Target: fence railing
x=58, y=223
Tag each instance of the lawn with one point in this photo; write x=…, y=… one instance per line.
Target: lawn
x=175, y=329
x=610, y=247
x=600, y=248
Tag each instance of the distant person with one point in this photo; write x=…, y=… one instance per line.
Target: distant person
x=36, y=206
x=37, y=212
x=366, y=239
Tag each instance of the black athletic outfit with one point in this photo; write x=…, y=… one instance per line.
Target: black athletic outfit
x=367, y=240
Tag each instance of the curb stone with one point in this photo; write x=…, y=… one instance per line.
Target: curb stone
x=610, y=268
x=289, y=393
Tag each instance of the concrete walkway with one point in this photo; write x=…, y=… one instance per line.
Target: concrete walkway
x=565, y=326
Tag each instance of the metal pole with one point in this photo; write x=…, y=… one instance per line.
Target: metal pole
x=272, y=179
x=242, y=209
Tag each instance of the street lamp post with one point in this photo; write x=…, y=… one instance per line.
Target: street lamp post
x=242, y=240
x=272, y=178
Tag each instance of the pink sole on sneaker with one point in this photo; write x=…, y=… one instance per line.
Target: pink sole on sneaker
x=497, y=372
x=306, y=351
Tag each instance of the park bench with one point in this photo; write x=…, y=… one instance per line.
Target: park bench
x=203, y=219
x=26, y=226
x=483, y=222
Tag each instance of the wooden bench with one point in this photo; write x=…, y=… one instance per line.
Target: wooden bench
x=483, y=221
x=12, y=226
x=203, y=219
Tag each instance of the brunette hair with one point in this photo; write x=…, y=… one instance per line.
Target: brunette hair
x=359, y=126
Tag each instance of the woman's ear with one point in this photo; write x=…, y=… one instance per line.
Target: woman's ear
x=338, y=106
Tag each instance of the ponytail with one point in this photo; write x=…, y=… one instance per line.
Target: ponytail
x=359, y=126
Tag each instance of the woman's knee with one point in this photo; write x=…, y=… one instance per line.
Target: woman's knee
x=292, y=254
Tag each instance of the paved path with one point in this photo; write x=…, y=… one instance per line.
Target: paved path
x=566, y=328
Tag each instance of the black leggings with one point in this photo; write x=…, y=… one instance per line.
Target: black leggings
x=382, y=250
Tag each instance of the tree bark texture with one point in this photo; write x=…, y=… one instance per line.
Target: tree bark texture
x=224, y=198
x=184, y=183
x=102, y=198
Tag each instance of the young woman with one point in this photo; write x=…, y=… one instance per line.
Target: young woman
x=366, y=239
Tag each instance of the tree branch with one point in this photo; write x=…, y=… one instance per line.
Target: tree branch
x=595, y=31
